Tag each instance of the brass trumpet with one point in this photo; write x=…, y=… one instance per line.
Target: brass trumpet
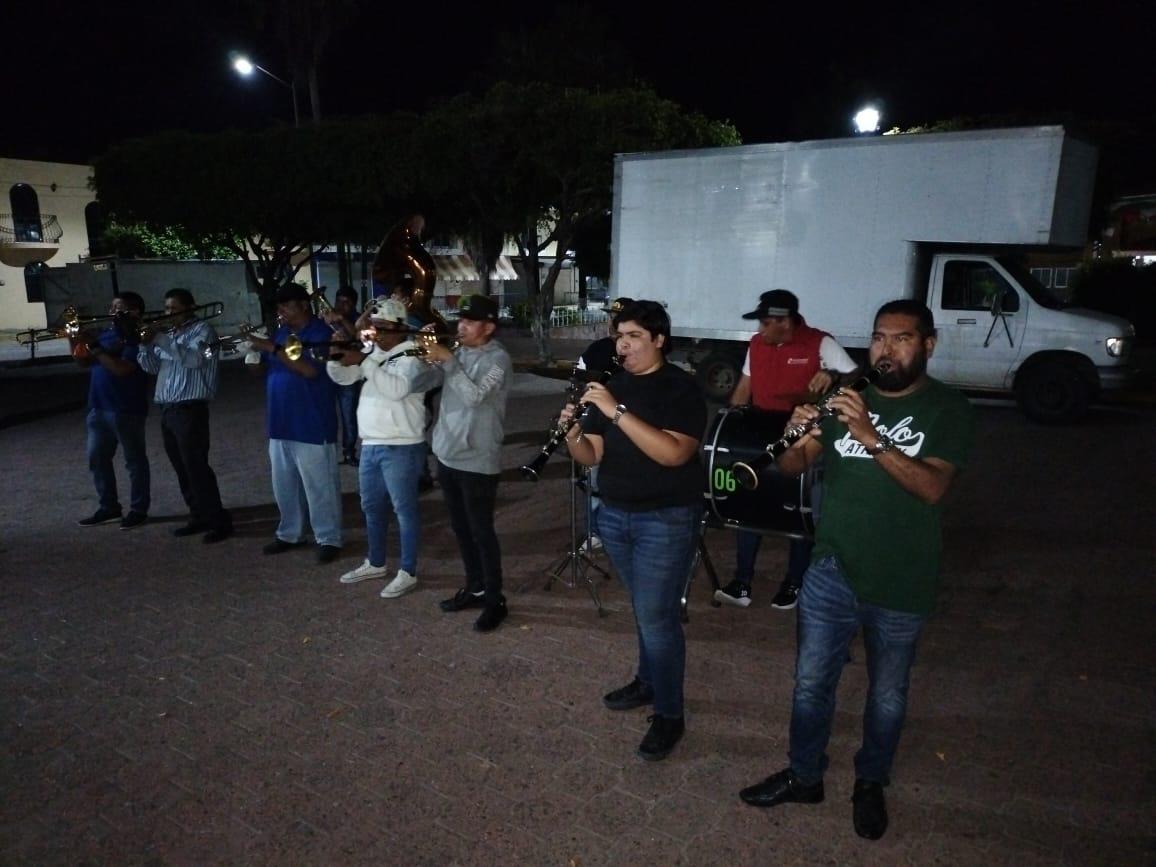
x=295, y=347
x=230, y=342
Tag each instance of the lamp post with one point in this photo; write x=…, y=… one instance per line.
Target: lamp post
x=866, y=120
x=245, y=67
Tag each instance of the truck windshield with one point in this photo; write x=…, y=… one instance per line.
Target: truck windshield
x=1041, y=294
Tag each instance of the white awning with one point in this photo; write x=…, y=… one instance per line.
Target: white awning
x=460, y=268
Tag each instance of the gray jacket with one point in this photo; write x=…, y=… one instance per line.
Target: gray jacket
x=471, y=419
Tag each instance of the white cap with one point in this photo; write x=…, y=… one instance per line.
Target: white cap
x=387, y=310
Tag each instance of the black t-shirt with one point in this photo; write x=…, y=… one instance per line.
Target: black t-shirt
x=669, y=399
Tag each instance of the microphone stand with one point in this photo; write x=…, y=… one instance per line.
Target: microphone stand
x=577, y=560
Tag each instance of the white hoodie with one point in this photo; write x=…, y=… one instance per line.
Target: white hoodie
x=391, y=410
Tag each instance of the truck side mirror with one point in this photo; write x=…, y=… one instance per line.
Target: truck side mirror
x=1007, y=302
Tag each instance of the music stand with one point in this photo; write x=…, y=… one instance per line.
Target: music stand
x=577, y=560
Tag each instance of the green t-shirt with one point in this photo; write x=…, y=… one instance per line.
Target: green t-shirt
x=887, y=540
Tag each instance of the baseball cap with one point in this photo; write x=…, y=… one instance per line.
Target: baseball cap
x=776, y=302
x=479, y=307
x=387, y=310
x=617, y=305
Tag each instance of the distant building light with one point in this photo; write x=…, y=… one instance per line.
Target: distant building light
x=867, y=120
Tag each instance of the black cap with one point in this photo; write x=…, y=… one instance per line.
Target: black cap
x=292, y=292
x=777, y=302
x=617, y=305
x=480, y=307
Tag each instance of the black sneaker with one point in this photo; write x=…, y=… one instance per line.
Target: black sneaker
x=462, y=600
x=664, y=733
x=736, y=593
x=100, y=516
x=787, y=597
x=634, y=694
x=192, y=528
x=280, y=546
x=491, y=617
x=327, y=553
x=133, y=519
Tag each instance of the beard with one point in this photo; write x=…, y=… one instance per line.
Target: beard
x=901, y=376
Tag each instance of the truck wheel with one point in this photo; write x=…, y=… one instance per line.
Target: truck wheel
x=1053, y=392
x=718, y=375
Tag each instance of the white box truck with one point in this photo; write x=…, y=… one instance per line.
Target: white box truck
x=849, y=224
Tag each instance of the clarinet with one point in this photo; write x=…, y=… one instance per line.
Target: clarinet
x=558, y=433
x=747, y=474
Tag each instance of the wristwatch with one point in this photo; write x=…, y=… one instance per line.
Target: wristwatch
x=618, y=413
x=883, y=443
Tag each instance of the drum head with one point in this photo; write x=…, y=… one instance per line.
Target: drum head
x=780, y=504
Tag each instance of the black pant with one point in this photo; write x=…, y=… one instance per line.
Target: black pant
x=185, y=428
x=470, y=498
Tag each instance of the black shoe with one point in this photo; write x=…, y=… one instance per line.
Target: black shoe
x=736, y=593
x=280, y=546
x=782, y=788
x=664, y=733
x=787, y=596
x=191, y=529
x=133, y=519
x=327, y=553
x=870, y=809
x=100, y=516
x=634, y=694
x=217, y=534
x=491, y=617
x=462, y=600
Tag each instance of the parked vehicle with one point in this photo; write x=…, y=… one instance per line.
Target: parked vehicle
x=849, y=224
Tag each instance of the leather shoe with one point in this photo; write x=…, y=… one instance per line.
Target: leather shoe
x=870, y=809
x=280, y=546
x=327, y=553
x=217, y=534
x=462, y=600
x=190, y=529
x=782, y=788
x=661, y=737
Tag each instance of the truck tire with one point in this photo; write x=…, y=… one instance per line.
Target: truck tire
x=1053, y=392
x=718, y=374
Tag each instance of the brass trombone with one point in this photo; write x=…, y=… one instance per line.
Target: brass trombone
x=173, y=321
x=70, y=324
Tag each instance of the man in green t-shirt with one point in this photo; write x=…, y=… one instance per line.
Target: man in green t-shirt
x=891, y=454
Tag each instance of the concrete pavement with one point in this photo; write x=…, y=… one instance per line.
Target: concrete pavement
x=168, y=702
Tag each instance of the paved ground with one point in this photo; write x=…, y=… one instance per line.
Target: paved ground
x=166, y=702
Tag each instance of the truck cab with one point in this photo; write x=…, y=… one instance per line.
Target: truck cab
x=1000, y=330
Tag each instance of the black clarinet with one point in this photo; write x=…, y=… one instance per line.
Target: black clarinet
x=558, y=433
x=747, y=474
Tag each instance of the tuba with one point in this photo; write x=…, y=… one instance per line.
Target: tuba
x=404, y=266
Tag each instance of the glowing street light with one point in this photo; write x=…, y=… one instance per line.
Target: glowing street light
x=244, y=67
x=866, y=120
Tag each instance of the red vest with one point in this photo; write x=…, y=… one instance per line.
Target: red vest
x=779, y=374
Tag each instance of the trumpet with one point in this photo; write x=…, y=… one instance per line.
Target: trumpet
x=530, y=472
x=747, y=474
x=230, y=342
x=295, y=347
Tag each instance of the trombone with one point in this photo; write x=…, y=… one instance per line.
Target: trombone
x=173, y=321
x=70, y=324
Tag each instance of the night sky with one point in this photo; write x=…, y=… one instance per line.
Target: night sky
x=82, y=76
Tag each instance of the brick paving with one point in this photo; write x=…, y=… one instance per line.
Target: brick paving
x=167, y=702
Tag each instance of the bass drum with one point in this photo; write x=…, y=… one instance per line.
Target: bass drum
x=780, y=504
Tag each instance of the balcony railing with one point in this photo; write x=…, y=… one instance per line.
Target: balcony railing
x=23, y=242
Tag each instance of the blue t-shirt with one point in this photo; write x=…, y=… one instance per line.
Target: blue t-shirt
x=300, y=409
x=111, y=393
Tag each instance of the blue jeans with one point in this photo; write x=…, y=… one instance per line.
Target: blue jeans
x=388, y=478
x=747, y=549
x=347, y=409
x=652, y=553
x=306, y=483
x=829, y=616
x=107, y=429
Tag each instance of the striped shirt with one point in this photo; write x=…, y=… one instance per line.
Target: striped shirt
x=178, y=360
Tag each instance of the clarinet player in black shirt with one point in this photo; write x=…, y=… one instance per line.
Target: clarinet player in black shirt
x=642, y=430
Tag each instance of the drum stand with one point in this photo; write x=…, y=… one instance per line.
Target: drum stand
x=701, y=555
x=577, y=559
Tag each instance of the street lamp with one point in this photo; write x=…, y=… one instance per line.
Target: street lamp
x=866, y=120
x=245, y=67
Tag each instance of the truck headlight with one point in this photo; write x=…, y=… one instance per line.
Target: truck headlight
x=1118, y=347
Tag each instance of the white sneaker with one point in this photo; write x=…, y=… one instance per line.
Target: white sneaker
x=403, y=583
x=365, y=570
x=591, y=544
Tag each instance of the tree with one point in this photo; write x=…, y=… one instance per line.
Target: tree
x=266, y=196
x=553, y=164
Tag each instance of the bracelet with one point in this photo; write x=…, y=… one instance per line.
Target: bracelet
x=619, y=411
